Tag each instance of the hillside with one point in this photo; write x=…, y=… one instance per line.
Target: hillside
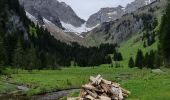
x=21, y=40
x=138, y=22
x=43, y=62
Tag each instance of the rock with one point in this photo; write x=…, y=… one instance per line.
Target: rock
x=52, y=10
x=105, y=15
x=111, y=14
x=157, y=71
x=22, y=88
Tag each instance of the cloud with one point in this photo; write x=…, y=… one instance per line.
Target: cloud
x=85, y=8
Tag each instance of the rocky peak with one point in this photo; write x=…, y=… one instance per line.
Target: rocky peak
x=137, y=4
x=105, y=15
x=111, y=14
x=52, y=10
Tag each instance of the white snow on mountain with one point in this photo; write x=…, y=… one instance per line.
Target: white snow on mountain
x=112, y=13
x=147, y=2
x=85, y=8
x=68, y=27
x=31, y=17
x=78, y=30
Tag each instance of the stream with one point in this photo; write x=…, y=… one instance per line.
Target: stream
x=47, y=96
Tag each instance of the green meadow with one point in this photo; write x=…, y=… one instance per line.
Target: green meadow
x=143, y=84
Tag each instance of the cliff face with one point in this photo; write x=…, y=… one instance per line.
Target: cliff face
x=105, y=15
x=111, y=14
x=129, y=24
x=52, y=10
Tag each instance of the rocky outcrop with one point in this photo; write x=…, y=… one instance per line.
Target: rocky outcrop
x=132, y=23
x=52, y=10
x=105, y=15
x=111, y=14
x=137, y=4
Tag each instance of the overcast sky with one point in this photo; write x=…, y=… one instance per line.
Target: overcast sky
x=85, y=8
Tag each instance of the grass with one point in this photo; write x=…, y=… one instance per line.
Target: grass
x=143, y=84
x=6, y=87
x=130, y=47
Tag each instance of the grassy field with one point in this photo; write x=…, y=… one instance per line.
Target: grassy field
x=143, y=84
x=130, y=47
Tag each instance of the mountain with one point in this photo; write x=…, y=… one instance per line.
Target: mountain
x=105, y=15
x=142, y=20
x=28, y=46
x=111, y=14
x=54, y=11
x=137, y=4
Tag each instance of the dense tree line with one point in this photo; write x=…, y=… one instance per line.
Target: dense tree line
x=117, y=56
x=164, y=37
x=38, y=49
x=148, y=38
x=149, y=60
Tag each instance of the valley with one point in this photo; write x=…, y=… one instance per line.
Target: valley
x=47, y=52
x=135, y=80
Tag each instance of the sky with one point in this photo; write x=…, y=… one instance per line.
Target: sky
x=85, y=8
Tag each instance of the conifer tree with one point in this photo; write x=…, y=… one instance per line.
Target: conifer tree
x=151, y=59
x=131, y=63
x=146, y=60
x=139, y=62
x=2, y=56
x=31, y=59
x=164, y=36
x=18, y=57
x=117, y=56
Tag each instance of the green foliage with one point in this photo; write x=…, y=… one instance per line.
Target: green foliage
x=6, y=87
x=149, y=59
x=38, y=49
x=31, y=59
x=130, y=47
x=2, y=55
x=164, y=36
x=131, y=63
x=139, y=59
x=135, y=80
x=32, y=31
x=117, y=56
x=18, y=57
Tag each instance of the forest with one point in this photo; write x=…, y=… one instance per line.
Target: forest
x=32, y=47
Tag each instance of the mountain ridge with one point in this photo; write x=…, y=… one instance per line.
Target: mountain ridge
x=113, y=13
x=129, y=24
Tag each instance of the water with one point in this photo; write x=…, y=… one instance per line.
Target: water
x=47, y=96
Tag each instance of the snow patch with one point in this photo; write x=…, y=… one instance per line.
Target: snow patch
x=47, y=21
x=31, y=17
x=77, y=30
x=69, y=27
x=112, y=13
x=147, y=2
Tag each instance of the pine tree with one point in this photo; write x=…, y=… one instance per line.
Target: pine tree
x=2, y=55
x=18, y=55
x=131, y=63
x=146, y=59
x=144, y=44
x=31, y=59
x=151, y=59
x=157, y=61
x=164, y=36
x=117, y=56
x=139, y=62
